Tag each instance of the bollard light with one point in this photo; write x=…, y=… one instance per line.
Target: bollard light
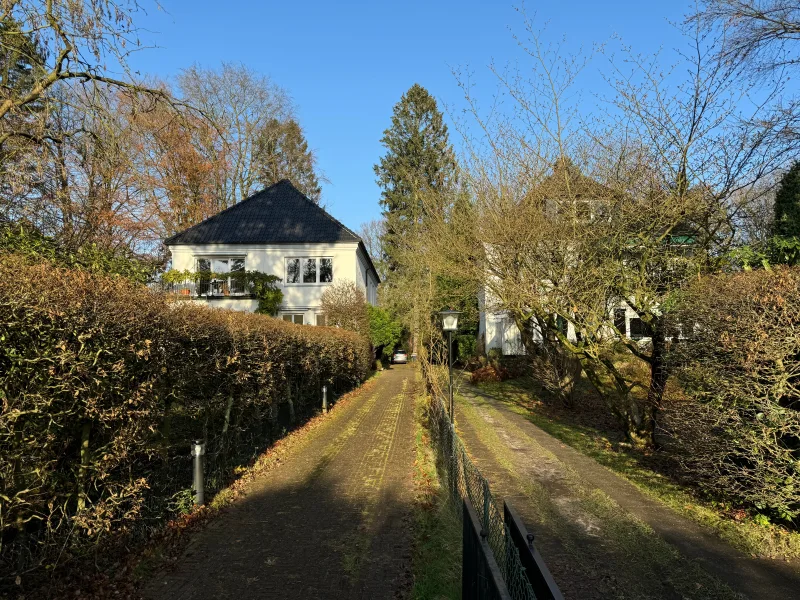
x=325, y=399
x=198, y=451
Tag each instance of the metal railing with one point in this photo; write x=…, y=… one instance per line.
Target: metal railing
x=205, y=288
x=524, y=574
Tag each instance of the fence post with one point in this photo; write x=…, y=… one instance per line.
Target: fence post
x=325, y=399
x=535, y=569
x=198, y=451
x=486, y=500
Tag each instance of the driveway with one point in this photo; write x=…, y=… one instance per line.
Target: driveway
x=331, y=521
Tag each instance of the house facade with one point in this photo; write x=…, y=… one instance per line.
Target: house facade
x=280, y=232
x=587, y=200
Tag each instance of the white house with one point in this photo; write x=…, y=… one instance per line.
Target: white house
x=277, y=231
x=496, y=329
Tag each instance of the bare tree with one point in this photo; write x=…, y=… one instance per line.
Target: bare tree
x=763, y=33
x=581, y=216
x=345, y=306
x=372, y=233
x=62, y=41
x=762, y=37
x=241, y=104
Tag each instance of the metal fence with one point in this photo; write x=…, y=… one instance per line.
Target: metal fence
x=466, y=483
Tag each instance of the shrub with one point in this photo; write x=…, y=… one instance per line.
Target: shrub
x=489, y=373
x=384, y=331
x=345, y=306
x=26, y=240
x=466, y=347
x=104, y=384
x=739, y=434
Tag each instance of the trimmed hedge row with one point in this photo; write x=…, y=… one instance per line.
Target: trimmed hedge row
x=739, y=435
x=104, y=384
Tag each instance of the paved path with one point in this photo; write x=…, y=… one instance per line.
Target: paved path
x=600, y=536
x=330, y=522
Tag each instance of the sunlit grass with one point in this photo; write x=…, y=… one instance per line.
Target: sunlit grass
x=767, y=540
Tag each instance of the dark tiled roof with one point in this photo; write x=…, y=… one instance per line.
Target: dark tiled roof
x=280, y=214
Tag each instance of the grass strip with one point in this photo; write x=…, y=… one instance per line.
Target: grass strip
x=437, y=523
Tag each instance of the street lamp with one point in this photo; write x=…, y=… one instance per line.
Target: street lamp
x=449, y=325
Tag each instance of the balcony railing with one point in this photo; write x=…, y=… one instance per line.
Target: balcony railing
x=206, y=288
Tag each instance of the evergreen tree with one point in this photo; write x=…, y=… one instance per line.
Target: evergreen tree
x=283, y=153
x=418, y=160
x=787, y=205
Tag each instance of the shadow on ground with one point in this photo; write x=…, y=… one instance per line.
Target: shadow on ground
x=330, y=522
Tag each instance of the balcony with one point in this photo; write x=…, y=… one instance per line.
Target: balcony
x=206, y=288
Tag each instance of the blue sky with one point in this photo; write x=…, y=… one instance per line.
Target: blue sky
x=346, y=64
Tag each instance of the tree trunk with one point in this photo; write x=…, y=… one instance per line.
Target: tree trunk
x=659, y=373
x=635, y=418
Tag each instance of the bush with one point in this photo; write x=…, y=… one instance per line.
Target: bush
x=345, y=306
x=489, y=373
x=466, y=347
x=384, y=331
x=103, y=386
x=739, y=434
x=26, y=240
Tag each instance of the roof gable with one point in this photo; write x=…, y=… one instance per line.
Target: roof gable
x=280, y=214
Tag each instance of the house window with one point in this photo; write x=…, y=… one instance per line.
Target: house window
x=309, y=270
x=321, y=320
x=297, y=319
x=325, y=270
x=640, y=329
x=219, y=266
x=293, y=270
x=619, y=320
x=228, y=264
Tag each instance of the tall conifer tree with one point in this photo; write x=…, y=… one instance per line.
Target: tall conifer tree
x=419, y=160
x=787, y=205
x=283, y=153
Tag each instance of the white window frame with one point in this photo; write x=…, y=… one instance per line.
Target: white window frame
x=318, y=260
x=294, y=316
x=229, y=257
x=213, y=257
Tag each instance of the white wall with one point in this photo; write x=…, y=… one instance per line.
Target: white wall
x=305, y=298
x=367, y=280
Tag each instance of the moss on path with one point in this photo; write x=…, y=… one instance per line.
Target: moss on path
x=601, y=537
x=331, y=521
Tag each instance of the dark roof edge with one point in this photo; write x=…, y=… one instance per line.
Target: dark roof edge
x=170, y=241
x=369, y=260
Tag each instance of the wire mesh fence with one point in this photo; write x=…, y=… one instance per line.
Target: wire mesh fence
x=465, y=482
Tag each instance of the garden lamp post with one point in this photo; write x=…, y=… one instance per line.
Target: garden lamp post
x=449, y=325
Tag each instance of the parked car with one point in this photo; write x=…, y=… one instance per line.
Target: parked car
x=400, y=357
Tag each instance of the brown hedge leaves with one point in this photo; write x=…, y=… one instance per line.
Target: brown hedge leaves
x=103, y=384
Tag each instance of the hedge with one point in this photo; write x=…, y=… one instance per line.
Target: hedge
x=104, y=384
x=738, y=434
